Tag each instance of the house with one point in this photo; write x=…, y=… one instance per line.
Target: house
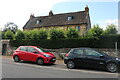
x=79, y=20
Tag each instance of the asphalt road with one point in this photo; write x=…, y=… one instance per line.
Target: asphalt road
x=11, y=69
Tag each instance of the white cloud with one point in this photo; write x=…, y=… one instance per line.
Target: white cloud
x=112, y=21
x=18, y=11
x=104, y=23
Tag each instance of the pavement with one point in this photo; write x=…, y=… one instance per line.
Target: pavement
x=25, y=69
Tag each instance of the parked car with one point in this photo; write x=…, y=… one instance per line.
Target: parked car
x=34, y=54
x=87, y=57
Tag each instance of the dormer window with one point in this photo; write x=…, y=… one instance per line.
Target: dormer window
x=70, y=17
x=38, y=21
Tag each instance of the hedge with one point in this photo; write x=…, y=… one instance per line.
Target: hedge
x=57, y=34
x=103, y=42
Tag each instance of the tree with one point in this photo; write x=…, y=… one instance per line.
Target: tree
x=42, y=34
x=19, y=35
x=56, y=34
x=0, y=35
x=10, y=26
x=3, y=35
x=34, y=34
x=72, y=33
x=9, y=34
x=27, y=34
x=111, y=29
x=95, y=32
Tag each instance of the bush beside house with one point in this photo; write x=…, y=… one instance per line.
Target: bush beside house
x=57, y=38
x=103, y=42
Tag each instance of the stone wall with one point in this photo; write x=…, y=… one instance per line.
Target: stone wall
x=8, y=49
x=62, y=52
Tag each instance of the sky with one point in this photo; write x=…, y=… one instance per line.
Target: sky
x=119, y=17
x=18, y=11
x=102, y=13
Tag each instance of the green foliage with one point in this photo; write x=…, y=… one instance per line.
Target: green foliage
x=72, y=33
x=94, y=38
x=42, y=34
x=27, y=35
x=95, y=32
x=19, y=35
x=56, y=34
x=107, y=41
x=34, y=34
x=3, y=35
x=9, y=34
x=111, y=29
x=0, y=35
x=54, y=43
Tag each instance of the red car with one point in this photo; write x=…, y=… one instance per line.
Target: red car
x=34, y=54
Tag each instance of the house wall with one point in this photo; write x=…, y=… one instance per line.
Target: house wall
x=83, y=28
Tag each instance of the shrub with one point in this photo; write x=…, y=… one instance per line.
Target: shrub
x=42, y=34
x=27, y=35
x=19, y=35
x=107, y=41
x=111, y=29
x=56, y=34
x=103, y=42
x=9, y=35
x=95, y=32
x=34, y=34
x=72, y=33
x=2, y=35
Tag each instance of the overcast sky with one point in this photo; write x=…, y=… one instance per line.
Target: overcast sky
x=18, y=11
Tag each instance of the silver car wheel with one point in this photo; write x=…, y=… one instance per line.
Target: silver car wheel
x=70, y=64
x=112, y=67
x=16, y=59
x=40, y=61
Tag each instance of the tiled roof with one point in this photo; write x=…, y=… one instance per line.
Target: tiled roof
x=57, y=20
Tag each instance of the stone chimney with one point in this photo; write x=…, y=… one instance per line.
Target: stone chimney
x=86, y=9
x=50, y=13
x=31, y=16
